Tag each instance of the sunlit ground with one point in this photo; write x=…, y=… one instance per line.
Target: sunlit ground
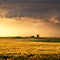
x=23, y=46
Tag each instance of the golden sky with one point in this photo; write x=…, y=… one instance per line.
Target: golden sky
x=23, y=18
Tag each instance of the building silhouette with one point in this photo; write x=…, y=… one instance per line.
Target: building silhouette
x=37, y=36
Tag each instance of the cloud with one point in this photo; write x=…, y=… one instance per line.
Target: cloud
x=42, y=10
x=58, y=23
x=30, y=0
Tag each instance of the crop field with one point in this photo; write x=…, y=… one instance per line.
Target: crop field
x=29, y=49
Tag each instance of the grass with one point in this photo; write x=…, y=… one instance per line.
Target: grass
x=30, y=49
x=31, y=57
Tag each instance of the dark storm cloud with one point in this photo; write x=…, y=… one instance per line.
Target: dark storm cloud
x=41, y=10
x=30, y=0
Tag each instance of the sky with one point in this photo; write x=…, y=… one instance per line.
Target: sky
x=30, y=17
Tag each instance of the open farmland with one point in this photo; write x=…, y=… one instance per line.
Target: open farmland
x=28, y=48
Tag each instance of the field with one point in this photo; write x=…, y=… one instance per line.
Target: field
x=29, y=48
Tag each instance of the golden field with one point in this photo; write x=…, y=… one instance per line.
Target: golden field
x=23, y=46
